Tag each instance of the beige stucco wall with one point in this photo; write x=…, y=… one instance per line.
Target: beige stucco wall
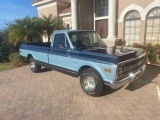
x=120, y=30
x=85, y=17
x=143, y=31
x=122, y=5
x=48, y=10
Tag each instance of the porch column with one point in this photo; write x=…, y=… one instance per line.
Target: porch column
x=74, y=14
x=112, y=20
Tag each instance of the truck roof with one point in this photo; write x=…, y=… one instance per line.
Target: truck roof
x=66, y=31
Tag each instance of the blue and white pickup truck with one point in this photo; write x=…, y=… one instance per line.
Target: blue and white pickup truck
x=83, y=53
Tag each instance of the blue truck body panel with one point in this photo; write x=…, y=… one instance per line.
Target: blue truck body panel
x=74, y=60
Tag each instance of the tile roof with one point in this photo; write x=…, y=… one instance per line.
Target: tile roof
x=67, y=10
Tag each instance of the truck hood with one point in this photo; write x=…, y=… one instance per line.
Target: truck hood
x=126, y=53
x=120, y=54
x=139, y=51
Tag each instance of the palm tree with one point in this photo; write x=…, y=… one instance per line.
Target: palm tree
x=25, y=29
x=51, y=23
x=3, y=36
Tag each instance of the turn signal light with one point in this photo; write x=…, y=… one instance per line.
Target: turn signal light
x=107, y=70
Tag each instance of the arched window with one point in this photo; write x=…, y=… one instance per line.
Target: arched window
x=132, y=23
x=153, y=26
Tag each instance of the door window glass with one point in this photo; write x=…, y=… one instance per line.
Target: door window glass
x=60, y=41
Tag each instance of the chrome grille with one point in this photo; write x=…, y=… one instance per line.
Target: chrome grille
x=133, y=65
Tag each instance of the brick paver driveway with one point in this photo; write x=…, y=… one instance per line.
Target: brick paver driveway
x=51, y=95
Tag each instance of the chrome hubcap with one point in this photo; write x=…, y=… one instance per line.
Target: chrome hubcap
x=89, y=83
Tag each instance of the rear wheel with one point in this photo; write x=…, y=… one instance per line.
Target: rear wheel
x=91, y=82
x=33, y=65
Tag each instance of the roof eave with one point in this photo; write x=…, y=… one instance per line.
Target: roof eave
x=36, y=4
x=65, y=14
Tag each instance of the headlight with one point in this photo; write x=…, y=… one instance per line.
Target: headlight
x=120, y=71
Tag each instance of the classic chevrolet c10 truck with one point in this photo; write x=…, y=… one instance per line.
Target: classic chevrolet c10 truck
x=83, y=53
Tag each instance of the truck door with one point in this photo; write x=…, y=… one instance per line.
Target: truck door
x=59, y=51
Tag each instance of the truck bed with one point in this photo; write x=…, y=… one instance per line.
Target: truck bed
x=45, y=44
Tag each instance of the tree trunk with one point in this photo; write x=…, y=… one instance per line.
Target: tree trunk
x=49, y=35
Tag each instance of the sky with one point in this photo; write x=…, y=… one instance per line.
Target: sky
x=15, y=9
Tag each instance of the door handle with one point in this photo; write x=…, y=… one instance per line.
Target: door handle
x=61, y=47
x=68, y=50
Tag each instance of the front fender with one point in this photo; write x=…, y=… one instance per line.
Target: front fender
x=100, y=68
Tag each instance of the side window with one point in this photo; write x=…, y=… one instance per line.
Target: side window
x=73, y=38
x=60, y=41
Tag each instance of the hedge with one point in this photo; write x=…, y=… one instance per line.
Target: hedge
x=4, y=53
x=15, y=58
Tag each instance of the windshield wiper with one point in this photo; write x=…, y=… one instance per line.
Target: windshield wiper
x=99, y=45
x=95, y=45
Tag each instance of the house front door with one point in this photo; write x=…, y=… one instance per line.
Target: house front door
x=102, y=28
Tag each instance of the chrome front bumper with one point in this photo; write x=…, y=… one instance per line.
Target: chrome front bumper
x=133, y=76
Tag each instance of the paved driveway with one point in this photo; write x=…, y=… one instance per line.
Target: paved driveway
x=51, y=95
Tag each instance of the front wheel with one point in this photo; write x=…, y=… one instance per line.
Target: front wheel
x=33, y=65
x=91, y=82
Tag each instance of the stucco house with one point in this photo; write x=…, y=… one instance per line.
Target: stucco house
x=130, y=20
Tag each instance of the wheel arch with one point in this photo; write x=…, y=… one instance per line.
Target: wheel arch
x=29, y=56
x=90, y=66
x=83, y=68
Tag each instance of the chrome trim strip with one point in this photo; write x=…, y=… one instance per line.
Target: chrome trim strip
x=132, y=59
x=115, y=73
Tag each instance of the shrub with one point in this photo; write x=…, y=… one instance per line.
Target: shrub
x=4, y=53
x=152, y=50
x=15, y=58
x=158, y=50
x=137, y=45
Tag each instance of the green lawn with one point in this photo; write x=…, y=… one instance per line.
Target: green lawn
x=6, y=66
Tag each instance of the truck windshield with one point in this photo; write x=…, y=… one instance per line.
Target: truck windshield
x=85, y=40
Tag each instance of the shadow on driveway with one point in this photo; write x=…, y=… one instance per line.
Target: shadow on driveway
x=149, y=75
x=44, y=70
x=107, y=90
